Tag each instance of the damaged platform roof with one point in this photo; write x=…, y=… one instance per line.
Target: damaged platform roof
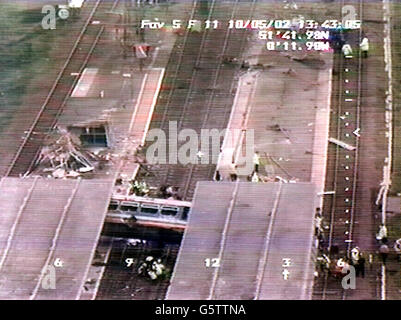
x=87, y=112
x=42, y=220
x=247, y=241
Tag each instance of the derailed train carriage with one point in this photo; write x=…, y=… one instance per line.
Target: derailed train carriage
x=149, y=212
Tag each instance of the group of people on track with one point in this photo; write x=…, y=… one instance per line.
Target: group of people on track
x=338, y=267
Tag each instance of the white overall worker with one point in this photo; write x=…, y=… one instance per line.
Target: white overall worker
x=382, y=233
x=318, y=224
x=364, y=45
x=347, y=50
x=156, y=269
x=397, y=248
x=256, y=161
x=355, y=252
x=324, y=262
x=327, y=261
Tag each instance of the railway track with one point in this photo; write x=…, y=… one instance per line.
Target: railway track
x=200, y=91
x=120, y=282
x=199, y=96
x=61, y=89
x=341, y=209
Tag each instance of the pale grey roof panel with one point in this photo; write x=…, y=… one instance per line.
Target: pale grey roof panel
x=252, y=234
x=45, y=219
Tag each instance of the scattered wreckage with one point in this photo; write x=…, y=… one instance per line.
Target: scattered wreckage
x=63, y=156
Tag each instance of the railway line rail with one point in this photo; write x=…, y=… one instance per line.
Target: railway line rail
x=350, y=209
x=340, y=209
x=122, y=282
x=199, y=90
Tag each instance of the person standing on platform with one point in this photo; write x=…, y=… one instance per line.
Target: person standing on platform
x=397, y=249
x=256, y=162
x=360, y=267
x=364, y=45
x=384, y=250
x=347, y=50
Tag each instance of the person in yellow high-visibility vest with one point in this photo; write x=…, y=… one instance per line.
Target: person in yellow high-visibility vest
x=364, y=45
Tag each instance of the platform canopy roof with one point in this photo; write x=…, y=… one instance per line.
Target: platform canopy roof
x=248, y=241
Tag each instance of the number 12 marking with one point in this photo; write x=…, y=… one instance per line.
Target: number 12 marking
x=214, y=262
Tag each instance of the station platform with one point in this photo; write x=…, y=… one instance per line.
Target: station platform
x=285, y=101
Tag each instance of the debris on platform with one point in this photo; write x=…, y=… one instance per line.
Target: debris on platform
x=290, y=71
x=296, y=56
x=62, y=156
x=290, y=5
x=229, y=60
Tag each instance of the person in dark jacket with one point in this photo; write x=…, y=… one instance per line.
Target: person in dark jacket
x=360, y=267
x=384, y=250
